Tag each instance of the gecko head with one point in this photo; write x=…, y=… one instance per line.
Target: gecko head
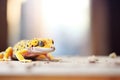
x=44, y=45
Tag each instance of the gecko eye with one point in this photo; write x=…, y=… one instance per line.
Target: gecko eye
x=41, y=43
x=52, y=42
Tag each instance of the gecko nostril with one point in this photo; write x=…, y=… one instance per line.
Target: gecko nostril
x=53, y=48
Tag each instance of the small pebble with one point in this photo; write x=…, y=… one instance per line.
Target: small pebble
x=92, y=59
x=113, y=55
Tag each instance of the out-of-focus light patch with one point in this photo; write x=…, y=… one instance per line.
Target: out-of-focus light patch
x=24, y=1
x=65, y=12
x=13, y=19
x=68, y=20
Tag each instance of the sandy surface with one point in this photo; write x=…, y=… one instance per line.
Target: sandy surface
x=67, y=66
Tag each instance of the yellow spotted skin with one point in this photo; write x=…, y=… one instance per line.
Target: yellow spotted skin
x=20, y=50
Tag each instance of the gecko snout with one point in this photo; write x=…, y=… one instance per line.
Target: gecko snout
x=53, y=47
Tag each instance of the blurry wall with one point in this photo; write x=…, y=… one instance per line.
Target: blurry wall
x=77, y=26
x=114, y=24
x=100, y=27
x=3, y=25
x=13, y=21
x=66, y=21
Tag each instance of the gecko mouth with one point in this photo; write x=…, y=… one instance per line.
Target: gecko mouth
x=41, y=50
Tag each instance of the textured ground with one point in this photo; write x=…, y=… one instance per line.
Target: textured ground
x=68, y=66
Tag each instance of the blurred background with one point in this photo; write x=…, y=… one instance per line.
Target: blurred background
x=78, y=27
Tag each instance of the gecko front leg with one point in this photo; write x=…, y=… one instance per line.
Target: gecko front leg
x=51, y=57
x=20, y=56
x=8, y=53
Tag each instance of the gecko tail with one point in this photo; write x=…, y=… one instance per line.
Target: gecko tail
x=1, y=55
